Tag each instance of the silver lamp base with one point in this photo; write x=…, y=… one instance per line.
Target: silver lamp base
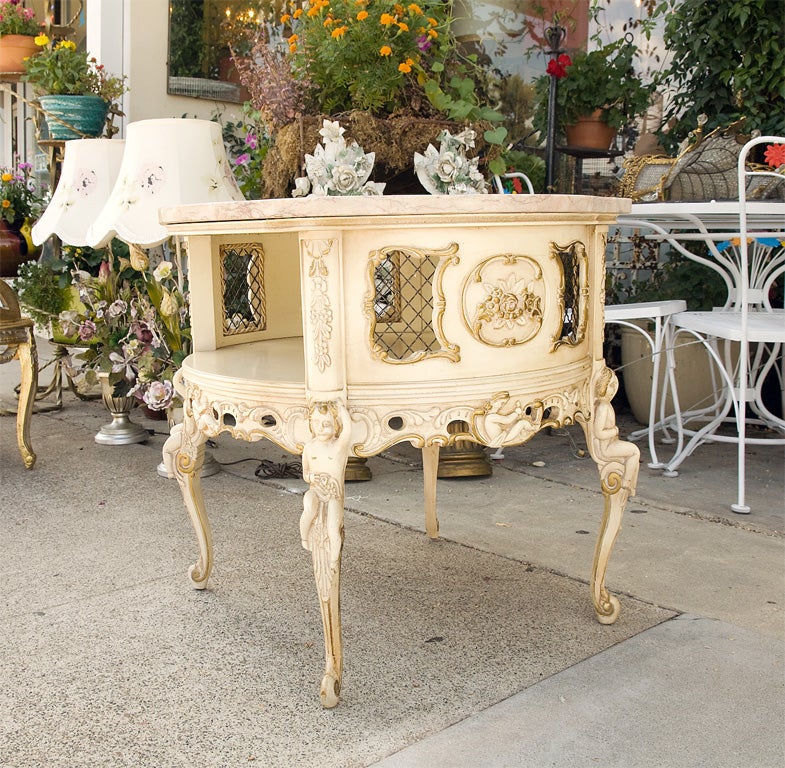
x=121, y=431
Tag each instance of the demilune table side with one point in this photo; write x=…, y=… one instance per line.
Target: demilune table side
x=338, y=326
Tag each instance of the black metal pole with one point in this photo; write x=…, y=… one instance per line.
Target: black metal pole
x=555, y=35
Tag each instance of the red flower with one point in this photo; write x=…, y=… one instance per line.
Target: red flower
x=775, y=155
x=558, y=67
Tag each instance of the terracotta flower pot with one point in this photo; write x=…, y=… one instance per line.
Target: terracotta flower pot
x=590, y=132
x=14, y=49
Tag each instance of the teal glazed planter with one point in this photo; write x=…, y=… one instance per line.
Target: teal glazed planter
x=82, y=116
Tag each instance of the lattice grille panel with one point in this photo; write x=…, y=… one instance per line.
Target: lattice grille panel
x=403, y=304
x=242, y=286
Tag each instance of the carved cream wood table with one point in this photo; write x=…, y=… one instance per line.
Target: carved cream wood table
x=341, y=326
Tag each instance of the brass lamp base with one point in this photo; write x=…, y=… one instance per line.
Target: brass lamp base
x=464, y=458
x=357, y=470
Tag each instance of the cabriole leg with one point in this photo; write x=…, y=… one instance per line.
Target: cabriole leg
x=27, y=354
x=618, y=462
x=183, y=455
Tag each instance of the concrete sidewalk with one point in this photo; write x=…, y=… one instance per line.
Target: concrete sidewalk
x=480, y=649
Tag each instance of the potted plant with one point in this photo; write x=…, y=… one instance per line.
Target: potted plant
x=599, y=88
x=18, y=29
x=75, y=92
x=391, y=74
x=21, y=202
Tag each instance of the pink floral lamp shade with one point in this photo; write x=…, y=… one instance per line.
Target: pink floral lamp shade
x=167, y=162
x=89, y=171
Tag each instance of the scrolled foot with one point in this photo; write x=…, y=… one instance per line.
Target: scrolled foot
x=329, y=690
x=607, y=609
x=198, y=576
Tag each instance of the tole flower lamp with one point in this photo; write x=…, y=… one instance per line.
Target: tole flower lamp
x=89, y=171
x=167, y=162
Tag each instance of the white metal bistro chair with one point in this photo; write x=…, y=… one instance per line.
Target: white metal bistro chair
x=749, y=321
x=659, y=339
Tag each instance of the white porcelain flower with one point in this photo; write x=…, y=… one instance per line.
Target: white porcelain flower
x=302, y=186
x=337, y=167
x=447, y=171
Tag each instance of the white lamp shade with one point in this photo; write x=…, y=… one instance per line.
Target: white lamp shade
x=89, y=172
x=173, y=161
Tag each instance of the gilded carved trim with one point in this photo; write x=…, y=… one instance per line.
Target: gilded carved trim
x=503, y=299
x=573, y=295
x=320, y=310
x=393, y=307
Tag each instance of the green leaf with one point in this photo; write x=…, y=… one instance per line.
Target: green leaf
x=497, y=166
x=496, y=136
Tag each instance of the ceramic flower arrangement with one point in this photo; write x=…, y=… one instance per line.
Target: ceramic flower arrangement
x=135, y=325
x=447, y=171
x=337, y=168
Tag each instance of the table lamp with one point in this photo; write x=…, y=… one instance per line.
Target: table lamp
x=89, y=171
x=167, y=162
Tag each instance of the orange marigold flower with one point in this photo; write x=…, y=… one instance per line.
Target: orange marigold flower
x=313, y=11
x=385, y=19
x=328, y=22
x=405, y=67
x=6, y=203
x=362, y=15
x=385, y=50
x=403, y=27
x=433, y=21
x=297, y=13
x=6, y=176
x=415, y=9
x=398, y=9
x=293, y=39
x=286, y=17
x=292, y=47
x=339, y=32
x=433, y=34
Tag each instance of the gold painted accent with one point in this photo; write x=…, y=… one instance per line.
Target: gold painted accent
x=242, y=288
x=320, y=312
x=399, y=296
x=502, y=300
x=573, y=296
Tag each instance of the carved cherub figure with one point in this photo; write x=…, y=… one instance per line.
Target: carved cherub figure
x=606, y=445
x=324, y=464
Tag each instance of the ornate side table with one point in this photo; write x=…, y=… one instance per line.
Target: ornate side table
x=337, y=327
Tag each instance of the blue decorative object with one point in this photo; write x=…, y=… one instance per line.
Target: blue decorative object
x=81, y=116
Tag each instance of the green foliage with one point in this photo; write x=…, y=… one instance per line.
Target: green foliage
x=366, y=56
x=679, y=278
x=246, y=147
x=601, y=79
x=728, y=62
x=60, y=69
x=41, y=291
x=523, y=162
x=187, y=52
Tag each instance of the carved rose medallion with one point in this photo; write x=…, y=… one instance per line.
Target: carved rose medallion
x=503, y=300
